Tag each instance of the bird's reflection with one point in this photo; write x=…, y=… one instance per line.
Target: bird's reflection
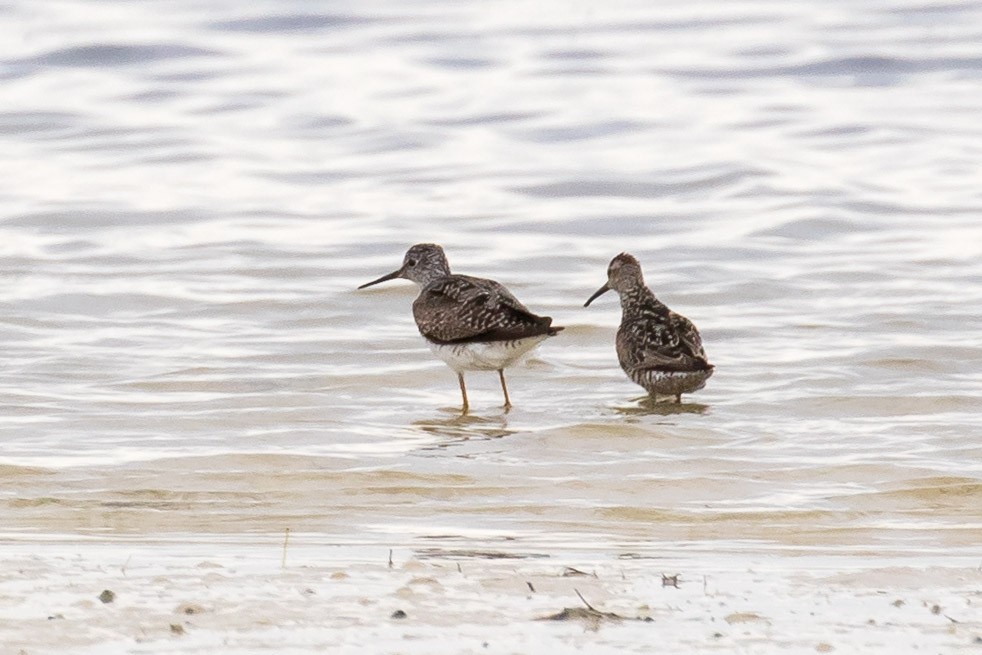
x=650, y=406
x=464, y=427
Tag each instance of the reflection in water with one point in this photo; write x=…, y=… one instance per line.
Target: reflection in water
x=647, y=405
x=463, y=428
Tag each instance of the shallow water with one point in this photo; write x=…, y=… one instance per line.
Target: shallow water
x=191, y=198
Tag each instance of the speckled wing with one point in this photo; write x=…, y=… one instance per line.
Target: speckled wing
x=689, y=338
x=460, y=308
x=669, y=342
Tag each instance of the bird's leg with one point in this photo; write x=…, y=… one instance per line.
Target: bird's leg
x=678, y=399
x=463, y=392
x=504, y=388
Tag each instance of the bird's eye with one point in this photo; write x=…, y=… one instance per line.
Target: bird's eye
x=411, y=262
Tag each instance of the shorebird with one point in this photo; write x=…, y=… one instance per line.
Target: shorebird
x=471, y=323
x=657, y=348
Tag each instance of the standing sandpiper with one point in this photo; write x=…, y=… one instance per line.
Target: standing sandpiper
x=657, y=348
x=470, y=323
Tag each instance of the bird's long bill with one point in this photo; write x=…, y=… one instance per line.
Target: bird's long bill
x=601, y=291
x=391, y=276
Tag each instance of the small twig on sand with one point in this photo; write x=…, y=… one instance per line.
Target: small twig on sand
x=390, y=558
x=286, y=542
x=588, y=605
x=590, y=614
x=531, y=588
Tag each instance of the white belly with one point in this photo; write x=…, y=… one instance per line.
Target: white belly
x=483, y=356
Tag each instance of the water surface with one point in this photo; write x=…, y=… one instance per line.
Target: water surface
x=192, y=196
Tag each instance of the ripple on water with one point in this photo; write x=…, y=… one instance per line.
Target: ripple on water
x=290, y=23
x=592, y=187
x=863, y=70
x=951, y=494
x=102, y=55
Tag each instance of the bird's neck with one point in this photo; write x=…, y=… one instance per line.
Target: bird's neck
x=431, y=274
x=638, y=300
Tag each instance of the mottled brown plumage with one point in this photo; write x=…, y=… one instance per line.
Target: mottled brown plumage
x=460, y=308
x=471, y=323
x=657, y=348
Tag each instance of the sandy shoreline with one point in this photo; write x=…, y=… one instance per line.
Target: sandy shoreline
x=238, y=598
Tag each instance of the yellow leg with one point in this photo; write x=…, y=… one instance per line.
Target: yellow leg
x=504, y=388
x=463, y=392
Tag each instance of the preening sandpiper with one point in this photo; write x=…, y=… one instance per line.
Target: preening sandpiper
x=657, y=348
x=471, y=323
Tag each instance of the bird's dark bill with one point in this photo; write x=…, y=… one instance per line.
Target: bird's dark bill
x=601, y=291
x=391, y=276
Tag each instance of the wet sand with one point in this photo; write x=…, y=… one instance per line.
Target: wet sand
x=244, y=598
